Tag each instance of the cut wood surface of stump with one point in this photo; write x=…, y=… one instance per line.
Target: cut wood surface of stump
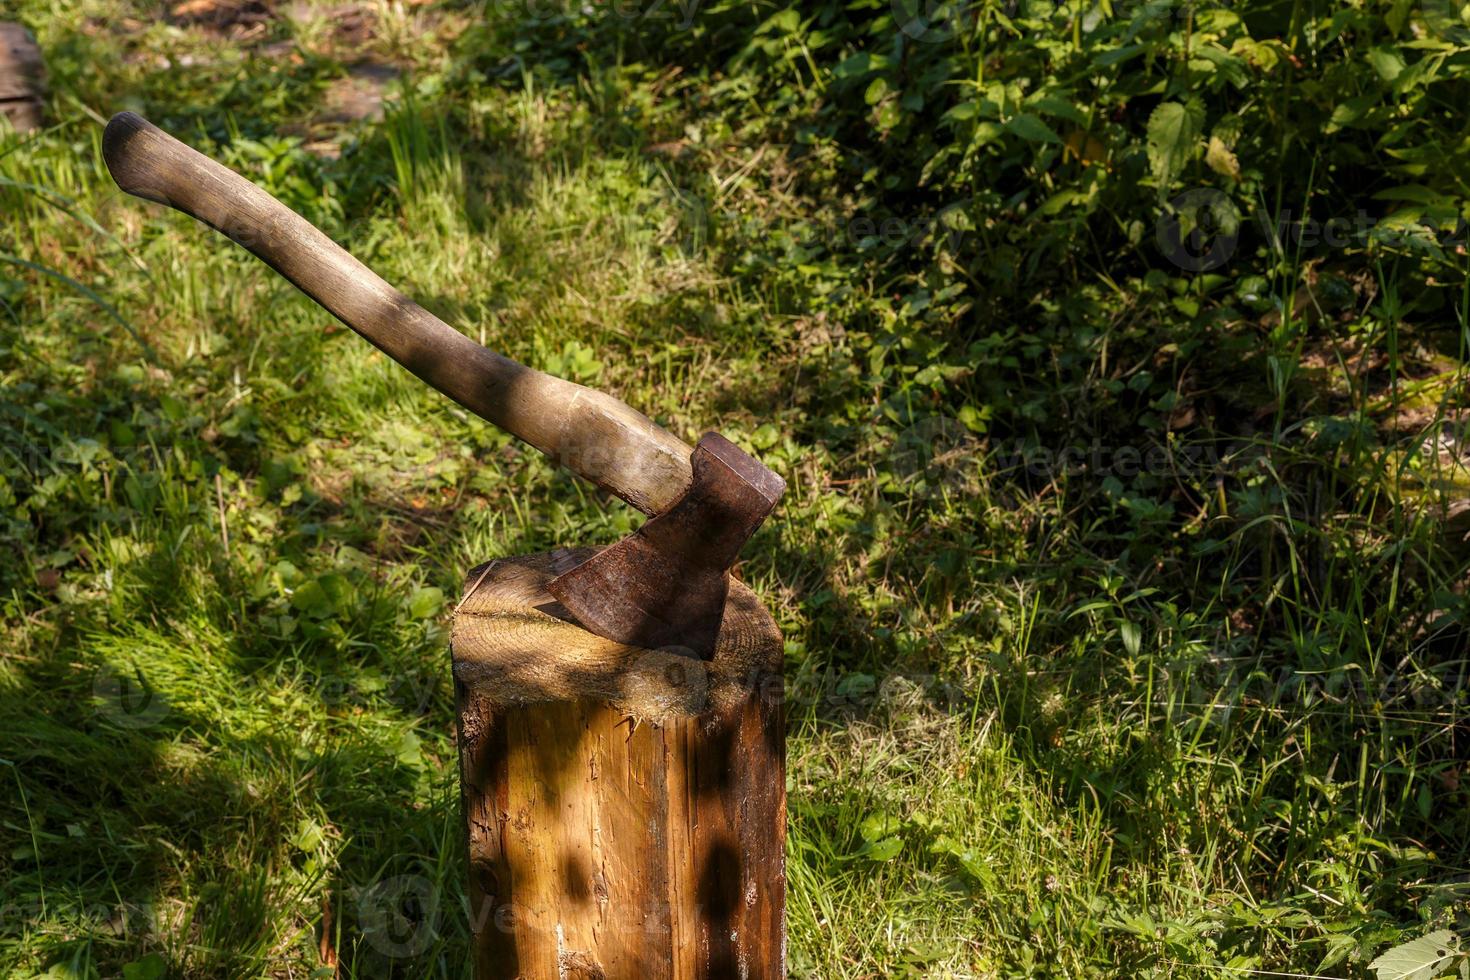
x=625, y=808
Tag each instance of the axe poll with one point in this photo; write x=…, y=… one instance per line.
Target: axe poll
x=664, y=585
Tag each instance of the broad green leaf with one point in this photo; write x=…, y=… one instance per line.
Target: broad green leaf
x=782, y=22
x=1387, y=62
x=975, y=419
x=970, y=860
x=1173, y=135
x=1213, y=58
x=1338, y=948
x=289, y=573
x=883, y=850
x=1132, y=637
x=1116, y=56
x=410, y=751
x=987, y=132
x=425, y=603
x=876, y=826
x=1060, y=200
x=309, y=835
x=1219, y=158
x=1420, y=959
x=338, y=589
x=1350, y=112
x=1264, y=55
x=961, y=111
x=1053, y=106
x=853, y=66
x=765, y=437
x=150, y=967
x=1398, y=14
x=1414, y=193
x=1032, y=129
x=312, y=600
x=1422, y=72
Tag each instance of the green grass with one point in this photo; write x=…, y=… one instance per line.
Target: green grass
x=1152, y=667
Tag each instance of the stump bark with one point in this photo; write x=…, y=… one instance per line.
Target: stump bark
x=625, y=809
x=22, y=78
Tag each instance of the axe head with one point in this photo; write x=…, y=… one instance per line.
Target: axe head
x=664, y=585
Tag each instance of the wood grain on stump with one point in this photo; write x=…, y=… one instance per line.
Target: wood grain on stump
x=625, y=808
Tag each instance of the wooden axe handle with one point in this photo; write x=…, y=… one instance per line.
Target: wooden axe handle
x=590, y=433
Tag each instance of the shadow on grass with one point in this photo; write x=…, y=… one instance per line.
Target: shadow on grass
x=153, y=828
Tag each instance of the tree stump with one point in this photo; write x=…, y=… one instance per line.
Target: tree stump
x=625, y=808
x=22, y=78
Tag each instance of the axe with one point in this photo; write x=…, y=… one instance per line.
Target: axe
x=664, y=585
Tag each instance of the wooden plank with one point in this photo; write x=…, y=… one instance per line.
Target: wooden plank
x=22, y=77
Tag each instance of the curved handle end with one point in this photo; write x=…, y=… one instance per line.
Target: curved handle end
x=134, y=169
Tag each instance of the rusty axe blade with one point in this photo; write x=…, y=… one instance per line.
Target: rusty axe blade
x=664, y=585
